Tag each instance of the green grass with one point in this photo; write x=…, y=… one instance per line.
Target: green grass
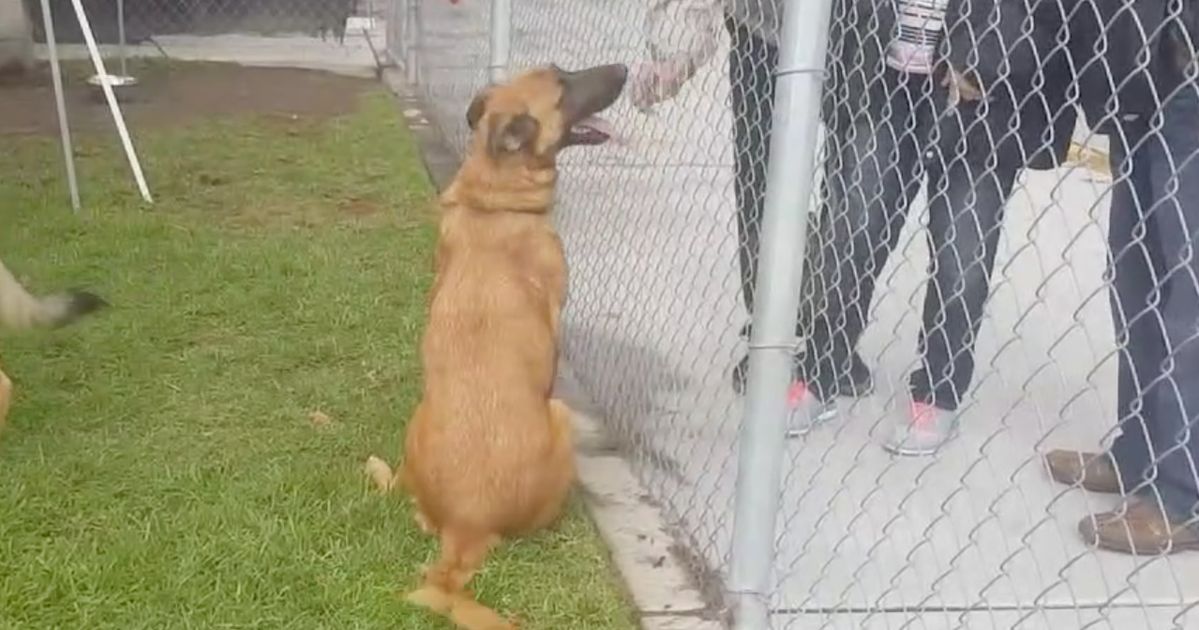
x=160, y=468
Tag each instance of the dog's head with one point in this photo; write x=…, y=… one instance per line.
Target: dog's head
x=542, y=111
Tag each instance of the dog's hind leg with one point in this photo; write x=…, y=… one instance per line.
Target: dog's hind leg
x=444, y=590
x=558, y=476
x=5, y=397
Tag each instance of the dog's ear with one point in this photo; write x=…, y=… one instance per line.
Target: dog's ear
x=510, y=135
x=476, y=109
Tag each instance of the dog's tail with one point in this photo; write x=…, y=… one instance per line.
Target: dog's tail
x=20, y=310
x=444, y=590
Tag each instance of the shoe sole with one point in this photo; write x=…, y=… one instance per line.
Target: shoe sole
x=821, y=419
x=1122, y=547
x=904, y=451
x=1092, y=539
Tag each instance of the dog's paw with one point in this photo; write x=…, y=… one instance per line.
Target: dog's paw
x=432, y=598
x=423, y=523
x=380, y=473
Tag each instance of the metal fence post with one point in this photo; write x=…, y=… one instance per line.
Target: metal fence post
x=403, y=30
x=501, y=38
x=397, y=15
x=411, y=37
x=790, y=175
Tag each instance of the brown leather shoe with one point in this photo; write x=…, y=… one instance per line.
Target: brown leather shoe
x=1094, y=471
x=1141, y=529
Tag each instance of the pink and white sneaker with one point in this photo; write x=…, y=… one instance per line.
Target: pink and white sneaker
x=924, y=429
x=807, y=409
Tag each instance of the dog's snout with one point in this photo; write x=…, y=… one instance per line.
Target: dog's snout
x=590, y=91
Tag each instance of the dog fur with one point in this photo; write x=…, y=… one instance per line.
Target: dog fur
x=19, y=310
x=488, y=452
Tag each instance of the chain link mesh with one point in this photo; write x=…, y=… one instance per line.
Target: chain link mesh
x=986, y=262
x=145, y=19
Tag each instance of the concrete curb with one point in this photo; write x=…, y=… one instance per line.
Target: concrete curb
x=659, y=586
x=635, y=531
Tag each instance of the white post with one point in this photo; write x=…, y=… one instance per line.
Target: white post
x=790, y=175
x=113, y=107
x=64, y=127
x=501, y=39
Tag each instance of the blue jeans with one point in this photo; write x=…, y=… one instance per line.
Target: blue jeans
x=1155, y=304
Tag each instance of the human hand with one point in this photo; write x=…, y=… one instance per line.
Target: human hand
x=652, y=82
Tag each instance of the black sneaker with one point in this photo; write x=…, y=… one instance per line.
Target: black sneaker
x=856, y=382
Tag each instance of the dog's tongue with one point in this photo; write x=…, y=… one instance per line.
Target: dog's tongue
x=599, y=125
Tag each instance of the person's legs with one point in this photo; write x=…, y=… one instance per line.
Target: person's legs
x=966, y=207
x=964, y=229
x=1156, y=310
x=880, y=172
x=1173, y=404
x=752, y=66
x=1135, y=265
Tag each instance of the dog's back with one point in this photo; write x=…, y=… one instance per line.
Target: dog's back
x=489, y=354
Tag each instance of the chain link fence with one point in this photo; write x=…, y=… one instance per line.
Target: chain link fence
x=145, y=20
x=998, y=265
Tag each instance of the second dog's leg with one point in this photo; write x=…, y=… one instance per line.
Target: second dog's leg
x=5, y=397
x=385, y=481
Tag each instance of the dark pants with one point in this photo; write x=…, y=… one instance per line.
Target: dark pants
x=1155, y=305
x=876, y=167
x=752, y=66
x=882, y=160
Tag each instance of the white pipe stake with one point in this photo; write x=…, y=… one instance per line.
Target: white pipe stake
x=113, y=107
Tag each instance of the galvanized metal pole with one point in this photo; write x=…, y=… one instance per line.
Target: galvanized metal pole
x=397, y=31
x=412, y=33
x=501, y=39
x=789, y=183
x=64, y=126
x=121, y=37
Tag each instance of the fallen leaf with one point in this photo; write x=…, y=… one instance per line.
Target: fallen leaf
x=320, y=419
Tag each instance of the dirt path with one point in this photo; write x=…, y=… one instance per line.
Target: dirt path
x=176, y=93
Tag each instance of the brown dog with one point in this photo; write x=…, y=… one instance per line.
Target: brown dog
x=488, y=452
x=19, y=310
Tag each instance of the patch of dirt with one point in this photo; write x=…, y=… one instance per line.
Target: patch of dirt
x=360, y=207
x=171, y=94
